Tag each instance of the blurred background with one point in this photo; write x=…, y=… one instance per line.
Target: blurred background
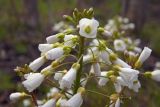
x=25, y=23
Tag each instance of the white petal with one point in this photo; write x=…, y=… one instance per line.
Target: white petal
x=75, y=101
x=45, y=47
x=156, y=75
x=50, y=103
x=68, y=78
x=145, y=54
x=117, y=104
x=37, y=63
x=15, y=96
x=119, y=45
x=121, y=63
x=33, y=81
x=52, y=39
x=54, y=53
x=97, y=69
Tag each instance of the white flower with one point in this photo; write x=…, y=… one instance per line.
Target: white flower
x=68, y=78
x=119, y=45
x=75, y=101
x=117, y=104
x=105, y=57
x=88, y=27
x=118, y=84
x=107, y=33
x=54, y=38
x=54, y=53
x=137, y=49
x=26, y=103
x=16, y=96
x=87, y=58
x=61, y=102
x=58, y=75
x=136, y=86
x=69, y=40
x=144, y=55
x=50, y=103
x=53, y=91
x=156, y=75
x=33, y=81
x=130, y=76
x=45, y=47
x=103, y=80
x=120, y=62
x=97, y=69
x=37, y=63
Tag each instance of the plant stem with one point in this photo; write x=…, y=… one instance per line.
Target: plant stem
x=34, y=99
x=78, y=76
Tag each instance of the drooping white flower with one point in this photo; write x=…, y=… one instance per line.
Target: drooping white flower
x=69, y=40
x=130, y=76
x=69, y=77
x=155, y=75
x=75, y=101
x=88, y=27
x=37, y=63
x=119, y=45
x=50, y=103
x=144, y=55
x=54, y=38
x=54, y=53
x=16, y=96
x=45, y=47
x=97, y=69
x=33, y=81
x=103, y=80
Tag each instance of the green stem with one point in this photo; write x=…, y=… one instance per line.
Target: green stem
x=78, y=76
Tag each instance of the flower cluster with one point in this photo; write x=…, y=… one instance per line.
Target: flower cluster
x=112, y=57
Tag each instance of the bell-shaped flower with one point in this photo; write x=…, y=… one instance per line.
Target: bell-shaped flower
x=54, y=38
x=37, y=63
x=143, y=56
x=16, y=96
x=88, y=27
x=33, y=81
x=69, y=77
x=56, y=53
x=70, y=40
x=76, y=100
x=45, y=47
